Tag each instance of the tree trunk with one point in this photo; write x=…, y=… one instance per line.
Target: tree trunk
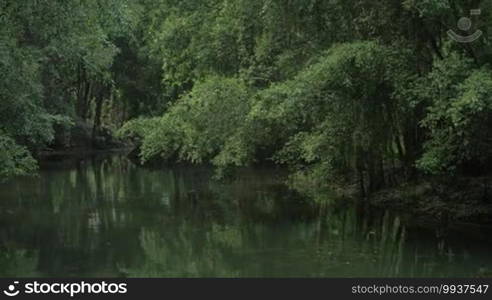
x=99, y=99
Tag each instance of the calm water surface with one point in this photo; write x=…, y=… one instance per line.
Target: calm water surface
x=104, y=216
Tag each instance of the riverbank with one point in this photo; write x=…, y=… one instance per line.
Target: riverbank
x=81, y=140
x=435, y=200
x=441, y=200
x=438, y=200
x=80, y=152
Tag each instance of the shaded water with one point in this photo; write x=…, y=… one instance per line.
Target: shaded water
x=104, y=216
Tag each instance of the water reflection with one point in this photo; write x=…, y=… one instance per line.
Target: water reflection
x=103, y=216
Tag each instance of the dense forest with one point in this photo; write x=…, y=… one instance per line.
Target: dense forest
x=372, y=92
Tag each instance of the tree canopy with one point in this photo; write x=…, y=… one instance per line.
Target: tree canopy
x=334, y=90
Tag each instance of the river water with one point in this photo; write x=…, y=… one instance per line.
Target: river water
x=103, y=216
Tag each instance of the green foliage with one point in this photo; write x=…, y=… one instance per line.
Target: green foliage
x=198, y=125
x=50, y=52
x=15, y=160
x=329, y=114
x=432, y=8
x=21, y=111
x=458, y=117
x=332, y=89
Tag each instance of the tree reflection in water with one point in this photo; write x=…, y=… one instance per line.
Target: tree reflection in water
x=103, y=216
